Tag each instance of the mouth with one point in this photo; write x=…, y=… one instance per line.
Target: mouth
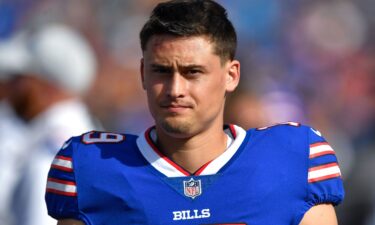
x=175, y=108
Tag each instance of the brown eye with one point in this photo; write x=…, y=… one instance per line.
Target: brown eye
x=161, y=70
x=193, y=72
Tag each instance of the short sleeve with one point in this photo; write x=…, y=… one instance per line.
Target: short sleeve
x=61, y=190
x=325, y=184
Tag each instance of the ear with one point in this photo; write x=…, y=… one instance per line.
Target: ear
x=142, y=73
x=233, y=75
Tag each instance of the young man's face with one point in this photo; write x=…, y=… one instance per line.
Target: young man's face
x=186, y=83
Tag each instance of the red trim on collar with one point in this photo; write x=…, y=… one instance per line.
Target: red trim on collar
x=233, y=130
x=161, y=155
x=175, y=165
x=200, y=170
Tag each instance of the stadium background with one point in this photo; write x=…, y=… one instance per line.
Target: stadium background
x=311, y=61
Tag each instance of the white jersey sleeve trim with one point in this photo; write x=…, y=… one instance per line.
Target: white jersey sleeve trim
x=323, y=172
x=61, y=187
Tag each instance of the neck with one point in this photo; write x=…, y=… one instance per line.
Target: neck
x=193, y=152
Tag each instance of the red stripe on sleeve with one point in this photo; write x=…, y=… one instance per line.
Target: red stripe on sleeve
x=66, y=169
x=63, y=157
x=323, y=166
x=318, y=144
x=324, y=177
x=61, y=181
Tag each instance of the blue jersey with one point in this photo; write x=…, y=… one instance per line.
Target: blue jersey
x=266, y=176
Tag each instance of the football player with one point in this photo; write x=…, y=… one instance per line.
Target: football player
x=191, y=168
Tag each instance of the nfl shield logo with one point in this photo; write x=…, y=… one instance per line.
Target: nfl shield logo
x=192, y=188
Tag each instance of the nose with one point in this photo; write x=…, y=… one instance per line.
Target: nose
x=177, y=86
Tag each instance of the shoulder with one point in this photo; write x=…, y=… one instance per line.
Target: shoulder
x=295, y=137
x=323, y=176
x=305, y=146
x=84, y=160
x=282, y=127
x=102, y=138
x=93, y=142
x=287, y=130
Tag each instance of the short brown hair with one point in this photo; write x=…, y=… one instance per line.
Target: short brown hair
x=184, y=18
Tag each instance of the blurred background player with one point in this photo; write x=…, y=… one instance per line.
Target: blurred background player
x=45, y=71
x=12, y=144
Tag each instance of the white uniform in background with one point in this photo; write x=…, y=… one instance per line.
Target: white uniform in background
x=47, y=133
x=61, y=56
x=12, y=153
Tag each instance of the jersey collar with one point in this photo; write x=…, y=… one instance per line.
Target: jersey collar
x=170, y=169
